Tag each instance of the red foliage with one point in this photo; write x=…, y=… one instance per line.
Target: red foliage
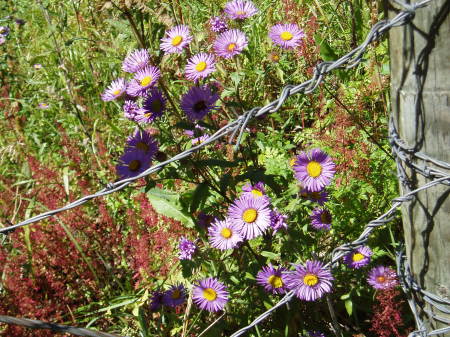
x=45, y=275
x=387, y=319
x=150, y=248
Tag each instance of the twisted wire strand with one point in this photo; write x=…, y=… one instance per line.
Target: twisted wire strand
x=412, y=289
x=347, y=61
x=344, y=249
x=400, y=150
x=35, y=324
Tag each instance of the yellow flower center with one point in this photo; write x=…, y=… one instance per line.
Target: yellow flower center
x=148, y=115
x=226, y=233
x=157, y=105
x=116, y=92
x=177, y=40
x=240, y=13
x=314, y=169
x=142, y=146
x=286, y=36
x=257, y=193
x=310, y=280
x=176, y=294
x=200, y=66
x=275, y=281
x=134, y=165
x=209, y=294
x=249, y=215
x=231, y=46
x=146, y=81
x=381, y=279
x=357, y=257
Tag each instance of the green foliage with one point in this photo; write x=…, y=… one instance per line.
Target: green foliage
x=81, y=45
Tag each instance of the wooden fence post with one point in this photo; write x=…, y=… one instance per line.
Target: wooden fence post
x=420, y=104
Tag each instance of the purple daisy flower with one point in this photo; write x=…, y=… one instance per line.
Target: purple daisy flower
x=273, y=280
x=360, y=257
x=255, y=191
x=186, y=249
x=43, y=106
x=250, y=215
x=143, y=141
x=320, y=197
x=199, y=66
x=277, y=220
x=316, y=334
x=2, y=40
x=314, y=170
x=382, y=278
x=198, y=101
x=224, y=235
x=311, y=281
x=230, y=43
x=176, y=39
x=239, y=9
x=218, y=24
x=156, y=301
x=132, y=163
x=321, y=219
x=210, y=294
x=152, y=108
x=143, y=79
x=4, y=30
x=136, y=60
x=37, y=66
x=287, y=36
x=199, y=140
x=116, y=89
x=130, y=109
x=175, y=296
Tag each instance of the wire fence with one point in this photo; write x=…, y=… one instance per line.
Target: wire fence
x=401, y=151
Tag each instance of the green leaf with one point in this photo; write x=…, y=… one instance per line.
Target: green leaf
x=143, y=322
x=270, y=255
x=326, y=52
x=349, y=307
x=200, y=194
x=167, y=203
x=345, y=296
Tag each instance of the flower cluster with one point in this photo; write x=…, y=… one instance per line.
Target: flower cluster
x=314, y=170
x=140, y=150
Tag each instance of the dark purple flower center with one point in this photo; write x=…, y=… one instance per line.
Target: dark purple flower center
x=134, y=165
x=199, y=106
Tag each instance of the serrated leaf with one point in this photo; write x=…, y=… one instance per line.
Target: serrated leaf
x=167, y=203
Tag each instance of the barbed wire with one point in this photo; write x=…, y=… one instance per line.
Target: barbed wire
x=412, y=289
x=344, y=249
x=238, y=127
x=347, y=61
x=35, y=324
